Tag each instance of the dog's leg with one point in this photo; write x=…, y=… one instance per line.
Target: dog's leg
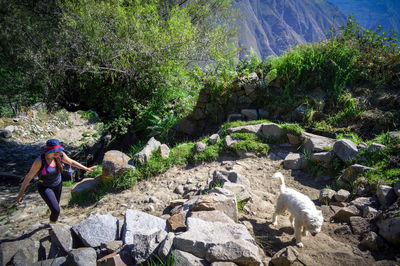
x=305, y=232
x=297, y=232
x=279, y=209
x=291, y=219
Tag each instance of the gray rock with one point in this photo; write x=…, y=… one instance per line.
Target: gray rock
x=361, y=202
x=342, y=195
x=115, y=163
x=225, y=192
x=62, y=236
x=10, y=128
x=214, y=138
x=369, y=212
x=326, y=195
x=376, y=147
x=25, y=256
x=299, y=113
x=242, y=194
x=294, y=161
x=5, y=133
x=250, y=114
x=353, y=172
x=237, y=178
x=294, y=139
x=97, y=229
x=360, y=225
x=166, y=246
x=200, y=147
x=314, y=143
x=373, y=242
x=82, y=257
x=345, y=149
x=143, y=233
x=182, y=258
x=253, y=76
x=224, y=263
x=396, y=188
x=235, y=117
x=323, y=158
x=179, y=190
x=256, y=129
x=85, y=186
x=9, y=249
x=163, y=150
x=285, y=257
x=60, y=261
x=218, y=242
x=211, y=216
x=386, y=195
x=389, y=229
x=271, y=130
x=344, y=214
x=343, y=230
x=144, y=155
x=229, y=141
x=219, y=202
x=112, y=247
x=394, y=135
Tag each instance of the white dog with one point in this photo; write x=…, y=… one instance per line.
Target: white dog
x=302, y=210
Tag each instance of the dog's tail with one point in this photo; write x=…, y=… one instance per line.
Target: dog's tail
x=281, y=179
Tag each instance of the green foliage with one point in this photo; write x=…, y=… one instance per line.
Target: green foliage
x=96, y=172
x=249, y=142
x=294, y=129
x=350, y=136
x=68, y=183
x=240, y=204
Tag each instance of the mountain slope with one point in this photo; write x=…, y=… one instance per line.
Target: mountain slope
x=272, y=26
x=371, y=13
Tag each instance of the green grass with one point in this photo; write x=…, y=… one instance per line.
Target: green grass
x=89, y=115
x=240, y=205
x=68, y=183
x=96, y=172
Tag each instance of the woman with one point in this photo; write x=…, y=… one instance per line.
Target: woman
x=50, y=165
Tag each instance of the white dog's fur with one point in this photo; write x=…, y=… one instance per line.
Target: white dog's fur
x=302, y=210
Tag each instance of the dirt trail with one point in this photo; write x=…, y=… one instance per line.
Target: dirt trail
x=153, y=196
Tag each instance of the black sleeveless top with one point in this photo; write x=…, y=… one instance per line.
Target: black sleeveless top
x=49, y=176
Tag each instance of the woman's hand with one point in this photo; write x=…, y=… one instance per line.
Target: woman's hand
x=19, y=199
x=91, y=168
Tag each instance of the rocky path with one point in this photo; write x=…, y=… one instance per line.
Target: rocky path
x=153, y=196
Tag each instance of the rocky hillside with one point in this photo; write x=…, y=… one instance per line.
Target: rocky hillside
x=272, y=26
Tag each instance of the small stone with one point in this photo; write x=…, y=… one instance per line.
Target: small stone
x=344, y=214
x=342, y=230
x=342, y=195
x=369, y=212
x=359, y=225
x=326, y=195
x=163, y=150
x=386, y=195
x=200, y=147
x=372, y=241
x=285, y=256
x=177, y=222
x=214, y=139
x=179, y=190
x=294, y=161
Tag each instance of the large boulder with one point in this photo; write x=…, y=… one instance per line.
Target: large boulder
x=323, y=158
x=219, y=202
x=389, y=229
x=216, y=241
x=143, y=233
x=86, y=185
x=386, y=195
x=82, y=257
x=353, y=172
x=9, y=249
x=245, y=129
x=97, y=230
x=62, y=236
x=271, y=130
x=295, y=161
x=144, y=155
x=115, y=163
x=315, y=143
x=345, y=149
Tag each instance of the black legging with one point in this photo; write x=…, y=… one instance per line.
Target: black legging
x=51, y=195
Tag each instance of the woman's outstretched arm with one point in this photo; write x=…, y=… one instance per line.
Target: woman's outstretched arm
x=34, y=169
x=74, y=163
